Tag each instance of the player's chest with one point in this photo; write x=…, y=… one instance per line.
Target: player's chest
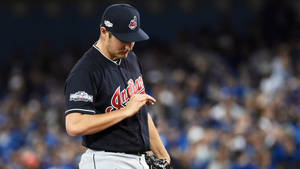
x=120, y=85
x=122, y=78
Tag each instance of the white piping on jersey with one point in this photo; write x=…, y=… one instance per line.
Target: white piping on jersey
x=80, y=110
x=115, y=62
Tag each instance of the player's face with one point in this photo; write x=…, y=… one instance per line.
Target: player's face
x=118, y=49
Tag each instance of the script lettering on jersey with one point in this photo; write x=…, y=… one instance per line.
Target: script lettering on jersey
x=121, y=98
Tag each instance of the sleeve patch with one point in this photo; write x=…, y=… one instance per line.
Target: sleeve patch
x=81, y=96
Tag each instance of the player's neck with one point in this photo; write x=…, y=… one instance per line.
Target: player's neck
x=104, y=51
x=100, y=48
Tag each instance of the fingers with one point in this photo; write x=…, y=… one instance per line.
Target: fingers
x=143, y=99
x=150, y=99
x=146, y=97
x=136, y=102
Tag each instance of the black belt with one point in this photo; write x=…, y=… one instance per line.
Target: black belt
x=136, y=153
x=133, y=153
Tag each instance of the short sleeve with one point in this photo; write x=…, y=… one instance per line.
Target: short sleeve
x=80, y=93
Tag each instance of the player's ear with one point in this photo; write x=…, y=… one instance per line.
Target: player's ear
x=103, y=31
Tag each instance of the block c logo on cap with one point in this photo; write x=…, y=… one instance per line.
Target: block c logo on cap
x=133, y=23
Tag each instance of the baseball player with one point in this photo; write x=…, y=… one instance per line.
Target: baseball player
x=106, y=98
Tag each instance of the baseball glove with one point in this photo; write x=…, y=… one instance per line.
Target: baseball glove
x=155, y=163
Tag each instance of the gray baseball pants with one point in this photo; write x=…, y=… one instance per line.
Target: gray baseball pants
x=109, y=160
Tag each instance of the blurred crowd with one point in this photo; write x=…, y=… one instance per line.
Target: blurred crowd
x=225, y=101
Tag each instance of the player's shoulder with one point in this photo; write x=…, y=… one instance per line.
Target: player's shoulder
x=86, y=62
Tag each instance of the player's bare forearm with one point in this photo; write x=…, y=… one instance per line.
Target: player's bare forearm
x=78, y=124
x=156, y=144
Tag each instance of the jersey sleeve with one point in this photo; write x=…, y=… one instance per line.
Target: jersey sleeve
x=80, y=93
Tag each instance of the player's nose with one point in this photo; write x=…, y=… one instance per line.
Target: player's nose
x=129, y=45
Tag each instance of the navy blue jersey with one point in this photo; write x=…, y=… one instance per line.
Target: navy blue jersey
x=96, y=85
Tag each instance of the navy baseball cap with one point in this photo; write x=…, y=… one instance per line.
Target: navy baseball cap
x=123, y=21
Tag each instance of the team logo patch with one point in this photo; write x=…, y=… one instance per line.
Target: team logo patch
x=133, y=23
x=81, y=96
x=108, y=23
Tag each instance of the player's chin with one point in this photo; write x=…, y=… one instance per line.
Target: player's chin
x=123, y=55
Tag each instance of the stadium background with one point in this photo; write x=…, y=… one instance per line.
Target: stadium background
x=225, y=73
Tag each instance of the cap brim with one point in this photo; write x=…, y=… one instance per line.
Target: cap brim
x=139, y=35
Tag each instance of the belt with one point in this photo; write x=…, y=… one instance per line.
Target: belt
x=136, y=153
x=133, y=153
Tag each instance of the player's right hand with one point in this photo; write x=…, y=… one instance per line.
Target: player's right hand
x=136, y=102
